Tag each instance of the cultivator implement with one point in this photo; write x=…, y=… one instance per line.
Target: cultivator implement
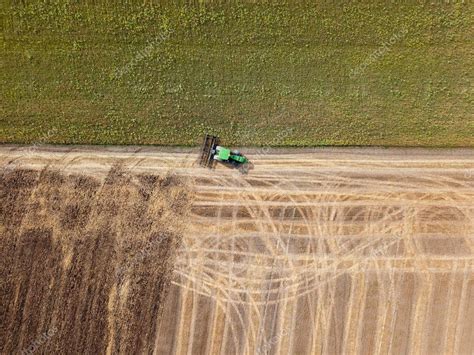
x=208, y=150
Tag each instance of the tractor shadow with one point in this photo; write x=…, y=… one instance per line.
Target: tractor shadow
x=245, y=168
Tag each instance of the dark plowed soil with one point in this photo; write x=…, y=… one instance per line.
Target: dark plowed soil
x=85, y=264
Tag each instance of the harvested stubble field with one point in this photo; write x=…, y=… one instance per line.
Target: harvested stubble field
x=333, y=251
x=85, y=263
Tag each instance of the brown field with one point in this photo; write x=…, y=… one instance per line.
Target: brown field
x=78, y=259
x=333, y=251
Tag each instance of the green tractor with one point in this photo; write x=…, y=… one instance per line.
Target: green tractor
x=212, y=152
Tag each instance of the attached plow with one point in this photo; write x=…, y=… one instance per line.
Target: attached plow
x=211, y=152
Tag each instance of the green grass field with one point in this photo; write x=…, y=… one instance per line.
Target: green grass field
x=280, y=74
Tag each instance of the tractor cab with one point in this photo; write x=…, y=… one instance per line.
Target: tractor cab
x=225, y=154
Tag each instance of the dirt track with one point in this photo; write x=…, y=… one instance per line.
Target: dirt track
x=334, y=251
